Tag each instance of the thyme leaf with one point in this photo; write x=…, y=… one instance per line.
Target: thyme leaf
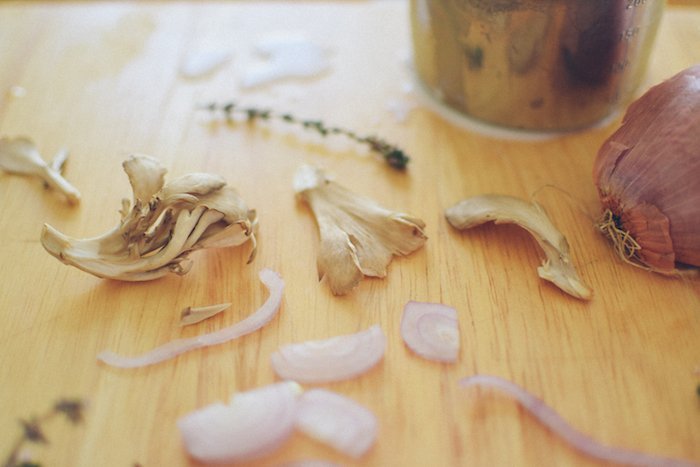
x=33, y=432
x=71, y=408
x=392, y=155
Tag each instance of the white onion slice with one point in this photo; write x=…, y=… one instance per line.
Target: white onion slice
x=579, y=441
x=338, y=421
x=431, y=330
x=334, y=359
x=252, y=425
x=255, y=321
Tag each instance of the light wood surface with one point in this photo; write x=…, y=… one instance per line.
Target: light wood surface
x=101, y=79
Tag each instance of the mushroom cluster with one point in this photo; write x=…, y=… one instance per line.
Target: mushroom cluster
x=159, y=229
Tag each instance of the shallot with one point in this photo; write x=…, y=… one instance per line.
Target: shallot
x=648, y=177
x=336, y=420
x=255, y=321
x=251, y=426
x=576, y=439
x=431, y=330
x=334, y=359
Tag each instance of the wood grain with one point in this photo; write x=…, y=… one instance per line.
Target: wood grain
x=101, y=79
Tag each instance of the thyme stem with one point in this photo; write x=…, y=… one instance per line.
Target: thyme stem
x=392, y=155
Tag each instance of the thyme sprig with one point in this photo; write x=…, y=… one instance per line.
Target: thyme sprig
x=33, y=431
x=392, y=155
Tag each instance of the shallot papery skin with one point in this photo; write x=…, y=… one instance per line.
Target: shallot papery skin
x=431, y=330
x=648, y=173
x=255, y=321
x=338, y=421
x=252, y=425
x=579, y=441
x=327, y=360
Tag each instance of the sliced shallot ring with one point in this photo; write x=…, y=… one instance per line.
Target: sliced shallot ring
x=252, y=425
x=576, y=439
x=338, y=421
x=431, y=330
x=334, y=359
x=197, y=314
x=255, y=321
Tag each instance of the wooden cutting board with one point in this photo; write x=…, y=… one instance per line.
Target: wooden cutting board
x=101, y=79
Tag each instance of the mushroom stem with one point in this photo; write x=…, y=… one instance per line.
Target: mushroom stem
x=20, y=156
x=500, y=209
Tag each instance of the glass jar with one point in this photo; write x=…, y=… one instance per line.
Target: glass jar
x=533, y=64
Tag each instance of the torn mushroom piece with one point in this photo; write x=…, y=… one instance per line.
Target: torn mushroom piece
x=501, y=209
x=20, y=156
x=161, y=226
x=358, y=237
x=197, y=314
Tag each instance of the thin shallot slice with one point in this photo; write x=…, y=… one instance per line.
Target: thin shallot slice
x=255, y=321
x=338, y=421
x=252, y=425
x=576, y=439
x=431, y=330
x=334, y=359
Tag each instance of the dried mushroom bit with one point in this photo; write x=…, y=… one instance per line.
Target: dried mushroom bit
x=358, y=237
x=163, y=224
x=502, y=209
x=197, y=314
x=20, y=156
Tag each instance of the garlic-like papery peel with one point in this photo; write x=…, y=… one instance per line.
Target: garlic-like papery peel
x=358, y=236
x=500, y=209
x=161, y=226
x=20, y=156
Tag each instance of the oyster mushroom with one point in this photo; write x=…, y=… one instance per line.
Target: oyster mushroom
x=358, y=237
x=501, y=209
x=161, y=226
x=20, y=156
